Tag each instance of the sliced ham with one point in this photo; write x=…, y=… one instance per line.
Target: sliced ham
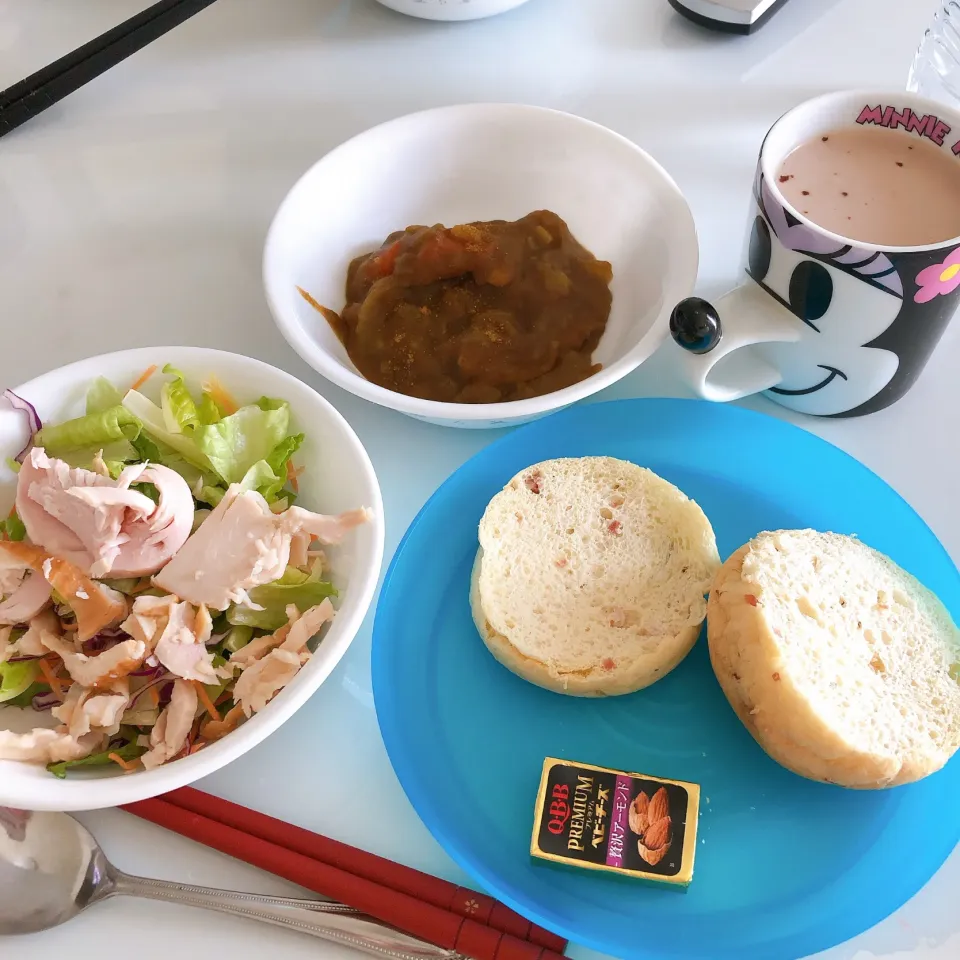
x=239, y=546
x=243, y=545
x=47, y=746
x=96, y=606
x=170, y=732
x=24, y=591
x=99, y=524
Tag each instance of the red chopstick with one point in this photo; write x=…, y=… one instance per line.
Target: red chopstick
x=401, y=910
x=396, y=876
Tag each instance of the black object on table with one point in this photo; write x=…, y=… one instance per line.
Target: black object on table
x=55, y=81
x=730, y=16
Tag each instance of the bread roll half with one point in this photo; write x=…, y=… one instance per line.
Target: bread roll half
x=843, y=666
x=591, y=576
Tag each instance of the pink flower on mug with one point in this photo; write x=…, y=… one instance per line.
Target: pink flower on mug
x=941, y=278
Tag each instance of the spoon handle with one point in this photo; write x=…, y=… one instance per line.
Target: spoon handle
x=319, y=918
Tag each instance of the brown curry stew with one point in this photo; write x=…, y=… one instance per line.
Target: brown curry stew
x=476, y=313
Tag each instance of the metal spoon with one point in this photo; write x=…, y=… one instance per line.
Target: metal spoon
x=51, y=868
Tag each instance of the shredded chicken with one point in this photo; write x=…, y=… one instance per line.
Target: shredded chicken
x=299, y=550
x=293, y=635
x=263, y=679
x=85, y=711
x=98, y=670
x=31, y=643
x=217, y=729
x=327, y=529
x=148, y=617
x=170, y=732
x=181, y=647
x=83, y=525
x=46, y=746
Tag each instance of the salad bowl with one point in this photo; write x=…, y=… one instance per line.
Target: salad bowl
x=334, y=475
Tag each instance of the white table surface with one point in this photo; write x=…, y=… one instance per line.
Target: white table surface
x=134, y=213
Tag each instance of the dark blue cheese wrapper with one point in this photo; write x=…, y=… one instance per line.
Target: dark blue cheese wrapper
x=630, y=824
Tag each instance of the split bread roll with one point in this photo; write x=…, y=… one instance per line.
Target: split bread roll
x=843, y=666
x=591, y=576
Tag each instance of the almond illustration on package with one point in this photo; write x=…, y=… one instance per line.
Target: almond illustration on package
x=650, y=820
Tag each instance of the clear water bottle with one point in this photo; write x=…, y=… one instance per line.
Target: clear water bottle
x=936, y=69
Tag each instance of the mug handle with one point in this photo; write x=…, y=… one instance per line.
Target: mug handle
x=710, y=333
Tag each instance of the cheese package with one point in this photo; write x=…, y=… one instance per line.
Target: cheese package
x=630, y=824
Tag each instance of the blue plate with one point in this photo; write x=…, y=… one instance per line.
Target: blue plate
x=785, y=867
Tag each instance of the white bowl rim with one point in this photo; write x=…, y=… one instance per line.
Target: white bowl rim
x=92, y=794
x=337, y=373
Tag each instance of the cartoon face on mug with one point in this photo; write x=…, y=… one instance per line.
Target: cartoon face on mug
x=843, y=300
x=840, y=312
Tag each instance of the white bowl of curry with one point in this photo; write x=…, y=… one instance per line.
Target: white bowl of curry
x=480, y=265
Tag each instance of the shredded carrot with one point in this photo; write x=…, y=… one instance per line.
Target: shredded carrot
x=144, y=377
x=12, y=513
x=56, y=684
x=223, y=698
x=220, y=394
x=292, y=477
x=126, y=764
x=154, y=696
x=205, y=700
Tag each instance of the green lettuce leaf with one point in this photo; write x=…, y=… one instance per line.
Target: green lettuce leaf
x=93, y=431
x=210, y=493
x=124, y=585
x=25, y=699
x=115, y=455
x=237, y=638
x=235, y=443
x=102, y=395
x=214, y=690
x=129, y=751
x=154, y=424
x=228, y=448
x=208, y=409
x=17, y=678
x=301, y=589
x=13, y=527
x=179, y=408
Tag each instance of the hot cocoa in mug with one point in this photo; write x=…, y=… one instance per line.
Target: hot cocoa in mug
x=852, y=267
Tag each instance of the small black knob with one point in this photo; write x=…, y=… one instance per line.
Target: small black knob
x=695, y=325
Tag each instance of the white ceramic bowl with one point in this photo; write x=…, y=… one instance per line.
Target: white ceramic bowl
x=338, y=475
x=451, y=9
x=483, y=162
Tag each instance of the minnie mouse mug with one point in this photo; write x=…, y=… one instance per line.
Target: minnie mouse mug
x=823, y=323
